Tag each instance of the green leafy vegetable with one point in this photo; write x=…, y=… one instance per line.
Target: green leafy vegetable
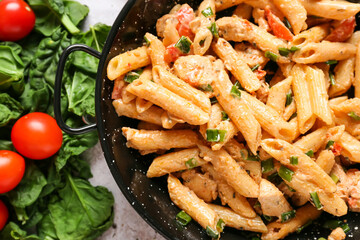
x=10, y=109
x=13, y=231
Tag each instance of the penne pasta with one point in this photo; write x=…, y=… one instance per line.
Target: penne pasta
x=294, y=12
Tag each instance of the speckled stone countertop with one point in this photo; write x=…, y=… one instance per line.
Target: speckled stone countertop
x=128, y=225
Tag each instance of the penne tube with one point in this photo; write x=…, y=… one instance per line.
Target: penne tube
x=237, y=109
x=236, y=221
x=277, y=95
x=236, y=65
x=181, y=88
x=289, y=111
x=231, y=131
x=305, y=115
x=174, y=162
x=318, y=94
x=338, y=10
x=350, y=147
x=156, y=140
x=156, y=51
x=357, y=72
x=187, y=200
x=294, y=12
x=243, y=10
x=344, y=77
x=326, y=160
x=142, y=105
x=277, y=230
x=312, y=141
x=229, y=170
x=169, y=101
x=126, y=62
x=314, y=34
x=224, y=4
x=324, y=51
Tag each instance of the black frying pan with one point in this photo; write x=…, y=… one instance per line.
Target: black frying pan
x=149, y=197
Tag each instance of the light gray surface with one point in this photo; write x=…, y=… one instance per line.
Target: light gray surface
x=127, y=224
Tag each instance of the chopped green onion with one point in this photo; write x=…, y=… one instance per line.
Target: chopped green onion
x=268, y=218
x=267, y=165
x=315, y=199
x=213, y=29
x=332, y=78
x=244, y=153
x=345, y=227
x=310, y=153
x=238, y=85
x=331, y=62
x=252, y=157
x=211, y=232
x=354, y=116
x=332, y=224
x=272, y=56
x=235, y=92
x=287, y=24
x=183, y=44
x=213, y=100
x=322, y=238
x=215, y=135
x=274, y=178
x=207, y=12
x=294, y=160
x=334, y=178
x=329, y=144
x=147, y=41
x=206, y=87
x=255, y=67
x=220, y=225
x=286, y=216
x=289, y=99
x=183, y=218
x=224, y=116
x=304, y=226
x=285, y=173
x=191, y=163
x=133, y=75
x=284, y=51
x=294, y=49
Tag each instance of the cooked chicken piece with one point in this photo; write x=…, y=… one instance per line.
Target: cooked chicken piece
x=251, y=55
x=349, y=189
x=337, y=234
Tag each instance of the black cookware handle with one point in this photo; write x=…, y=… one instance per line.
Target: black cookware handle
x=58, y=84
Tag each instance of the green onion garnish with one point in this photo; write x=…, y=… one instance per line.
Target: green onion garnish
x=255, y=67
x=286, y=216
x=345, y=227
x=220, y=225
x=268, y=218
x=354, y=116
x=213, y=100
x=215, y=135
x=267, y=165
x=183, y=44
x=332, y=224
x=235, y=92
x=133, y=75
x=332, y=78
x=322, y=238
x=213, y=29
x=289, y=99
x=294, y=49
x=238, y=85
x=294, y=160
x=334, y=178
x=272, y=56
x=207, y=12
x=211, y=232
x=252, y=157
x=304, y=226
x=315, y=199
x=183, y=218
x=191, y=163
x=147, y=41
x=331, y=62
x=329, y=144
x=285, y=173
x=224, y=116
x=284, y=51
x=310, y=153
x=287, y=23
x=206, y=87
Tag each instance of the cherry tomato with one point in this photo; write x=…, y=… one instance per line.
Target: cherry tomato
x=4, y=215
x=16, y=20
x=36, y=136
x=185, y=15
x=12, y=168
x=172, y=53
x=343, y=32
x=277, y=26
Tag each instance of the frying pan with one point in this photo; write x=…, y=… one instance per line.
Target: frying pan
x=149, y=197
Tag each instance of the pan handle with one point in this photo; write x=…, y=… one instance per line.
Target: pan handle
x=58, y=84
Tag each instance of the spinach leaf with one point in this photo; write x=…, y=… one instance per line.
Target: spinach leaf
x=21, y=215
x=10, y=109
x=51, y=13
x=6, y=145
x=46, y=229
x=81, y=211
x=79, y=167
x=11, y=69
x=29, y=189
x=53, y=179
x=13, y=231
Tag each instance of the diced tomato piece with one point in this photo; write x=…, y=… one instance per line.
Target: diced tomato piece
x=172, y=53
x=260, y=73
x=185, y=15
x=342, y=32
x=118, y=85
x=277, y=26
x=336, y=149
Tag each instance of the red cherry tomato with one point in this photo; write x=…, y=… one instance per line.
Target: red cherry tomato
x=12, y=168
x=4, y=215
x=16, y=20
x=36, y=136
x=277, y=26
